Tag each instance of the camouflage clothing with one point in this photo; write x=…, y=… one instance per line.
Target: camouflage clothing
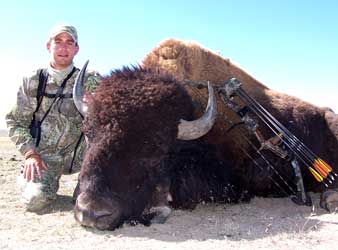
x=61, y=130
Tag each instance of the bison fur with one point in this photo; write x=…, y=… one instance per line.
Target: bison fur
x=135, y=168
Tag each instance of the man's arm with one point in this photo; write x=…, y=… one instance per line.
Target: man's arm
x=18, y=121
x=20, y=117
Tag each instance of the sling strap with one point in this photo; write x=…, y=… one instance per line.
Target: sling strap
x=67, y=95
x=74, y=154
x=43, y=77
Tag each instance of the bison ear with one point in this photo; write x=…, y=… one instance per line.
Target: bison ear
x=78, y=91
x=190, y=130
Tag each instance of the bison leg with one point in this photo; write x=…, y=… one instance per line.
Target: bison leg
x=329, y=200
x=159, y=210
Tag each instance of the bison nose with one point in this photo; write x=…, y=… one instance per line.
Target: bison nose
x=98, y=212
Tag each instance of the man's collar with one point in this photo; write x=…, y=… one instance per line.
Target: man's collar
x=59, y=75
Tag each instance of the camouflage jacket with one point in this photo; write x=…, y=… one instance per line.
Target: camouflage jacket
x=61, y=128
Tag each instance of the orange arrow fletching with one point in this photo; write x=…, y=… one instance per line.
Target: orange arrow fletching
x=325, y=164
x=321, y=169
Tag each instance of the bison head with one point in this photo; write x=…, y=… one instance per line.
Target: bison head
x=130, y=122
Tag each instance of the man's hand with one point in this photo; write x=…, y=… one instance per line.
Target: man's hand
x=33, y=166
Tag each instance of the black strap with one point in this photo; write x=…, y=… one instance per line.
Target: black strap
x=43, y=77
x=34, y=127
x=67, y=95
x=74, y=154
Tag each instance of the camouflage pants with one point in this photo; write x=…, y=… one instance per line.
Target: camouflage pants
x=37, y=194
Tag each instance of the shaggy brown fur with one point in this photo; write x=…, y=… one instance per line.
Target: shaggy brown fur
x=131, y=122
x=317, y=127
x=132, y=154
x=133, y=158
x=132, y=104
x=130, y=115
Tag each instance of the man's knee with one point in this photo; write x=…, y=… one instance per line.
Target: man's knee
x=35, y=203
x=32, y=195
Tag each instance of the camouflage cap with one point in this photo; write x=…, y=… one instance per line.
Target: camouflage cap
x=60, y=28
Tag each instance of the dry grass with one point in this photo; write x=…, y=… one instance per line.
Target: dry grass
x=260, y=224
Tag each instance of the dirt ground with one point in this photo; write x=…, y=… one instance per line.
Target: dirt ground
x=260, y=224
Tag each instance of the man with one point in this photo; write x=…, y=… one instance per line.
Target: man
x=61, y=128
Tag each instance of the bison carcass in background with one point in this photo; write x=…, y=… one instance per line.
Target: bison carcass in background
x=135, y=168
x=316, y=127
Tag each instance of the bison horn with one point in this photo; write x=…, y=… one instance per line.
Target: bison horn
x=190, y=130
x=78, y=91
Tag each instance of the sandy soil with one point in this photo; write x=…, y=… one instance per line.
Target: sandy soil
x=260, y=224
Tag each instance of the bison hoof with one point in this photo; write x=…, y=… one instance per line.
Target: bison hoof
x=300, y=200
x=329, y=200
x=158, y=215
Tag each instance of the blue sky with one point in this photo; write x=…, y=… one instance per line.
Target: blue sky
x=291, y=46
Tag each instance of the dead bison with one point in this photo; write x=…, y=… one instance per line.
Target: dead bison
x=143, y=156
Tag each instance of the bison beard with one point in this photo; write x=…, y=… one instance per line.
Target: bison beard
x=135, y=168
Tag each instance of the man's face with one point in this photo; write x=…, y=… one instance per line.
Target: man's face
x=62, y=49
